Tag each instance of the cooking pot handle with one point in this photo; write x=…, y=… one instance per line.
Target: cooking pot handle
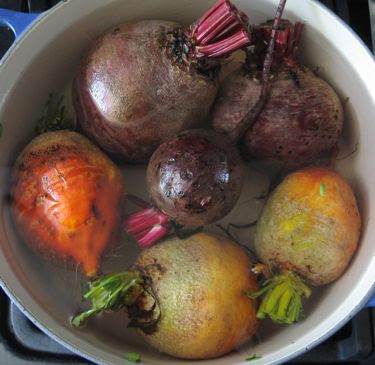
x=16, y=20
x=371, y=302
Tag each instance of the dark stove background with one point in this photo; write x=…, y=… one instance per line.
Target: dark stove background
x=21, y=343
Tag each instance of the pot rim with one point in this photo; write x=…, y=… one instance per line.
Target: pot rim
x=58, y=333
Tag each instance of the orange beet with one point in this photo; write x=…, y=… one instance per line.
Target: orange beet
x=66, y=196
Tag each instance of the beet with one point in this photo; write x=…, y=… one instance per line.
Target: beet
x=309, y=229
x=66, y=198
x=302, y=117
x=181, y=296
x=195, y=178
x=131, y=84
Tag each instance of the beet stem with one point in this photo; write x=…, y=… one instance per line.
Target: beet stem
x=233, y=28
x=224, y=46
x=206, y=16
x=221, y=18
x=253, y=114
x=147, y=226
x=270, y=51
x=282, y=298
x=109, y=292
x=153, y=235
x=223, y=22
x=298, y=28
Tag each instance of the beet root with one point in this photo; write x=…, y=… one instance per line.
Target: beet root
x=129, y=100
x=131, y=84
x=193, y=180
x=310, y=225
x=302, y=117
x=298, y=123
x=199, y=285
x=196, y=178
x=66, y=197
x=308, y=232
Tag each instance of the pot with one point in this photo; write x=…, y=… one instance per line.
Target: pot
x=44, y=59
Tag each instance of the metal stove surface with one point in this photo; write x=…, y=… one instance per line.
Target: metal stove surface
x=21, y=343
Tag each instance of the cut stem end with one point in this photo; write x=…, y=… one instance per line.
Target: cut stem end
x=282, y=298
x=287, y=41
x=219, y=31
x=147, y=226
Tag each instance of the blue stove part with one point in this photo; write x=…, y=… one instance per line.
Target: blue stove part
x=16, y=20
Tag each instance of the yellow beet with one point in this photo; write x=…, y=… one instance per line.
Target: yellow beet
x=201, y=284
x=310, y=225
x=308, y=232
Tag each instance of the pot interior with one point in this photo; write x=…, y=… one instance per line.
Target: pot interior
x=45, y=60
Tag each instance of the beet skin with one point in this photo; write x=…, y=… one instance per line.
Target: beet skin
x=130, y=97
x=196, y=178
x=302, y=116
x=201, y=284
x=310, y=225
x=66, y=198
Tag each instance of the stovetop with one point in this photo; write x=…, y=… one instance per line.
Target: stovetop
x=21, y=343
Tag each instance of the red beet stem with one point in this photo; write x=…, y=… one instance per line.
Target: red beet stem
x=233, y=28
x=298, y=28
x=221, y=30
x=225, y=46
x=147, y=226
x=206, y=15
x=221, y=18
x=287, y=39
x=152, y=236
x=254, y=112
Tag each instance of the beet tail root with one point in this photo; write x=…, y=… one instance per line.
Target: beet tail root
x=282, y=298
x=111, y=292
x=254, y=112
x=147, y=226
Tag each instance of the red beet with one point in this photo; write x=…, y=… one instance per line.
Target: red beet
x=301, y=119
x=131, y=85
x=196, y=178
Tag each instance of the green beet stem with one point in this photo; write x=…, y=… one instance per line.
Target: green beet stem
x=110, y=292
x=284, y=304
x=282, y=298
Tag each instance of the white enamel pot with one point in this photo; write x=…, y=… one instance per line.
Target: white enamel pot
x=43, y=60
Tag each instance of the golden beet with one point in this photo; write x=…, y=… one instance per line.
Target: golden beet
x=310, y=225
x=308, y=232
x=201, y=284
x=66, y=196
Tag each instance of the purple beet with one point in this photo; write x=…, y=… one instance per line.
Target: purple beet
x=193, y=180
x=196, y=178
x=145, y=81
x=302, y=117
